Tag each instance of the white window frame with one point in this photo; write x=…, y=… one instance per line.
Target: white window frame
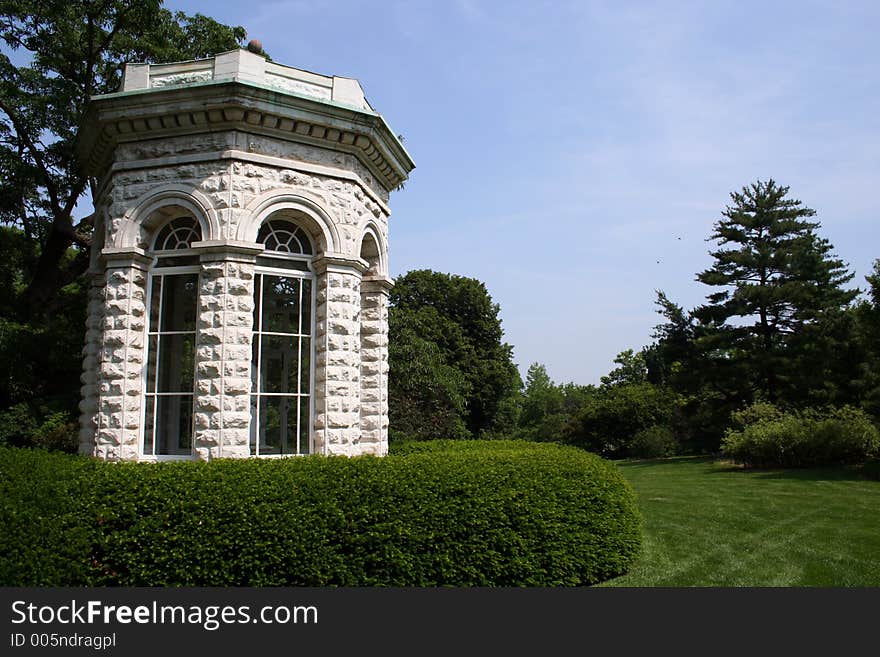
x=154, y=272
x=308, y=274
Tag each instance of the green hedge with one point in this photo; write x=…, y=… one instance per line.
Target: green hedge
x=764, y=436
x=470, y=513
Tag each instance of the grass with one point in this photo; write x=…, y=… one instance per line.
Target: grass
x=709, y=524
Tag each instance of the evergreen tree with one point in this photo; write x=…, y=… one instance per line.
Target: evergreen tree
x=866, y=376
x=776, y=276
x=543, y=406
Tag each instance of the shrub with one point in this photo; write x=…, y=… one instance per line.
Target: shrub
x=755, y=413
x=473, y=513
x=609, y=421
x=654, y=442
x=767, y=437
x=39, y=425
x=44, y=538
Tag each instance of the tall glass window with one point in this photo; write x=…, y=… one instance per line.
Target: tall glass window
x=171, y=335
x=281, y=400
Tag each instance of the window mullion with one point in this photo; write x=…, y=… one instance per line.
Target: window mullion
x=159, y=319
x=259, y=381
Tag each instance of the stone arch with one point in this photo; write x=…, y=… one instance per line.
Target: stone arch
x=314, y=219
x=139, y=223
x=372, y=249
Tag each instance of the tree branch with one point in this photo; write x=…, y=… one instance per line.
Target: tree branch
x=37, y=156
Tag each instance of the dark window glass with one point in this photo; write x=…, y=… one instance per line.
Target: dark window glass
x=178, y=234
x=284, y=236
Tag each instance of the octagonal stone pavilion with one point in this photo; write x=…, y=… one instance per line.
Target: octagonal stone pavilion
x=238, y=304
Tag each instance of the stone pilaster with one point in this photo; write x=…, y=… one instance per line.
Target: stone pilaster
x=337, y=354
x=121, y=355
x=374, y=365
x=89, y=391
x=223, y=352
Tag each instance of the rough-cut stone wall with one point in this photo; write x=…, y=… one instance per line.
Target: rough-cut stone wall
x=88, y=405
x=374, y=367
x=131, y=187
x=344, y=201
x=223, y=356
x=313, y=155
x=232, y=186
x=121, y=356
x=350, y=398
x=337, y=358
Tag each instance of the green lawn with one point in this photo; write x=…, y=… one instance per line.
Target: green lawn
x=707, y=524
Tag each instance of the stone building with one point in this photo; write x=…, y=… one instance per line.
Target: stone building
x=238, y=304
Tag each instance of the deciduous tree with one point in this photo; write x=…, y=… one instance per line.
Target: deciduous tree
x=58, y=53
x=457, y=315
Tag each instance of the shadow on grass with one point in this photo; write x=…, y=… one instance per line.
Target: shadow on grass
x=839, y=473
x=714, y=465
x=672, y=460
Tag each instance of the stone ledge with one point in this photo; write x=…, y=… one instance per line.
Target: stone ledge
x=226, y=250
x=237, y=105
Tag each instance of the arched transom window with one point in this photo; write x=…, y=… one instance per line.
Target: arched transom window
x=173, y=292
x=283, y=236
x=281, y=369
x=178, y=234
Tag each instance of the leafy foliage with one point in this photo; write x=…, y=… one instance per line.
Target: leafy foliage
x=72, y=49
x=44, y=541
x=444, y=513
x=631, y=368
x=427, y=399
x=610, y=421
x=766, y=437
x=656, y=441
x=780, y=327
x=451, y=326
x=546, y=408
x=57, y=55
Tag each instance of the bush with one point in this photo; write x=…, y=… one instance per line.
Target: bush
x=768, y=437
x=654, y=442
x=44, y=538
x=755, y=413
x=471, y=513
x=40, y=425
x=609, y=421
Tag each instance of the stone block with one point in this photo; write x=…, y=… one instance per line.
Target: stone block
x=203, y=421
x=237, y=385
x=236, y=437
x=208, y=369
x=206, y=438
x=208, y=403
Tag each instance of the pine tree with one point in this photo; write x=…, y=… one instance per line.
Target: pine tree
x=776, y=276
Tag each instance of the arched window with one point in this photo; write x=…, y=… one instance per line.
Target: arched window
x=178, y=234
x=281, y=398
x=282, y=236
x=173, y=292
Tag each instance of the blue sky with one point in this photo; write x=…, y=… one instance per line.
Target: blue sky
x=573, y=156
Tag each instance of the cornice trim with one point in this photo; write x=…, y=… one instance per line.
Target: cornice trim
x=118, y=118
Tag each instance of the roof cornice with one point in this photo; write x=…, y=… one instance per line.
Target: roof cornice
x=239, y=105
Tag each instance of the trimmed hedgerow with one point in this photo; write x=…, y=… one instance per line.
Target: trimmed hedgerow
x=43, y=538
x=468, y=514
